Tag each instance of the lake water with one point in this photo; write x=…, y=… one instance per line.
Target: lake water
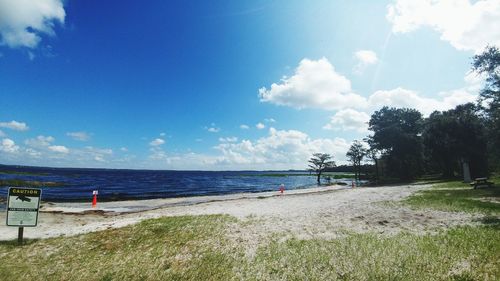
x=78, y=184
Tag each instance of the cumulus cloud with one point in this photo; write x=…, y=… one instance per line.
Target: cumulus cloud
x=2, y=134
x=315, y=84
x=465, y=25
x=244, y=127
x=269, y=120
x=59, y=149
x=14, y=125
x=349, y=119
x=8, y=146
x=364, y=58
x=157, y=142
x=280, y=149
x=23, y=21
x=79, y=136
x=400, y=97
x=260, y=126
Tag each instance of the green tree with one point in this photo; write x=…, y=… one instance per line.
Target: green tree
x=373, y=154
x=455, y=136
x=397, y=135
x=488, y=63
x=355, y=155
x=319, y=162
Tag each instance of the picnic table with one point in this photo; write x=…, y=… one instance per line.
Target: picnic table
x=478, y=182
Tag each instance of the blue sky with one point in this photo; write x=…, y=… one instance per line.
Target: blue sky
x=224, y=85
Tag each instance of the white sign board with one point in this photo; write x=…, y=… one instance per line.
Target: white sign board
x=22, y=206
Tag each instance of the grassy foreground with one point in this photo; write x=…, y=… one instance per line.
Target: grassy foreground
x=195, y=248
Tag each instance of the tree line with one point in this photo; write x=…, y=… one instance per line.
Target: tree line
x=404, y=145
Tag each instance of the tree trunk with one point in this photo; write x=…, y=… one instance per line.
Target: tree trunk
x=319, y=176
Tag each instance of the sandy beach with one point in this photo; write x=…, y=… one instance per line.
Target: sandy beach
x=321, y=212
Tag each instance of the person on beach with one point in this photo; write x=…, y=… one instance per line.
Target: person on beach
x=282, y=188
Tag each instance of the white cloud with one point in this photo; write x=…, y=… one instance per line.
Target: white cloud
x=279, y=150
x=99, y=158
x=213, y=129
x=157, y=142
x=260, y=126
x=59, y=149
x=400, y=97
x=79, y=136
x=157, y=153
x=14, y=125
x=465, y=25
x=2, y=134
x=244, y=127
x=349, y=119
x=364, y=58
x=315, y=84
x=124, y=149
x=228, y=139
x=22, y=21
x=162, y=134
x=100, y=151
x=269, y=120
x=33, y=153
x=40, y=141
x=8, y=146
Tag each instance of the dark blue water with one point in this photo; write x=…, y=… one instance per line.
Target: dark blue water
x=112, y=185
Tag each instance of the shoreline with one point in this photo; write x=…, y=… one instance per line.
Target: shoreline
x=322, y=212
x=140, y=205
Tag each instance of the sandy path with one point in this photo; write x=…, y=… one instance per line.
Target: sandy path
x=314, y=213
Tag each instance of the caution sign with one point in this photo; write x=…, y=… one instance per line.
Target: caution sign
x=22, y=206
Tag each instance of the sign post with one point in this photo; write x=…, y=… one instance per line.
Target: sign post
x=22, y=208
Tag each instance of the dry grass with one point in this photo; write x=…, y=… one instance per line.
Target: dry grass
x=197, y=248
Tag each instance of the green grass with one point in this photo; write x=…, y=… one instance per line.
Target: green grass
x=26, y=183
x=457, y=196
x=196, y=248
x=465, y=253
x=187, y=248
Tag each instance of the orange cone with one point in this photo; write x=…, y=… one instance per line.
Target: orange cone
x=94, y=199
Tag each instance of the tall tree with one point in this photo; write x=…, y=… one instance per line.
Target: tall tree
x=373, y=154
x=397, y=134
x=355, y=155
x=455, y=136
x=488, y=63
x=319, y=162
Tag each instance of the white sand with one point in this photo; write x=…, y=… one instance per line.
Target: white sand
x=324, y=212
